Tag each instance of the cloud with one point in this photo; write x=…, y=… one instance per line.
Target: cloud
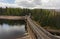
x=44, y=4
x=39, y=3
x=52, y=3
x=28, y=3
x=4, y=5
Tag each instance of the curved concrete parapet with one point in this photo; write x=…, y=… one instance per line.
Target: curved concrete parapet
x=39, y=31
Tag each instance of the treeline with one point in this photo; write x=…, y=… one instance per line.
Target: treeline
x=45, y=17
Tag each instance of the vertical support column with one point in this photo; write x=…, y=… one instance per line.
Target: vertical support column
x=30, y=32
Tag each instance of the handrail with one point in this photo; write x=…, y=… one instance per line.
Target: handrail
x=39, y=34
x=41, y=29
x=46, y=32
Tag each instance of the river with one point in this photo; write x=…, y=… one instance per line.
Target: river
x=11, y=31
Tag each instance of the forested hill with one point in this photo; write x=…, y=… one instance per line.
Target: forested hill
x=45, y=17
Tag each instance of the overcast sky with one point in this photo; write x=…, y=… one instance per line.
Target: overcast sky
x=45, y=4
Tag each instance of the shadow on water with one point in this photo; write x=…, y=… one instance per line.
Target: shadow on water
x=10, y=29
x=12, y=22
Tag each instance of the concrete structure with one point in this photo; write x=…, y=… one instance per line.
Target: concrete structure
x=34, y=30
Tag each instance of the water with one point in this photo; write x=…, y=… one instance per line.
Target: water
x=11, y=31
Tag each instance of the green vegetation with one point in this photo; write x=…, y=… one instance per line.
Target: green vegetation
x=45, y=17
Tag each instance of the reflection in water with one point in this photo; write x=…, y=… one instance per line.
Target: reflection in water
x=11, y=31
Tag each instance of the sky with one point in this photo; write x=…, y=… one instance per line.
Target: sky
x=44, y=4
